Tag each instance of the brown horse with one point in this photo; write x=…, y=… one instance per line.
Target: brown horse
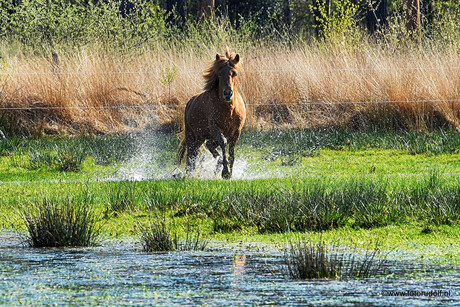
x=215, y=116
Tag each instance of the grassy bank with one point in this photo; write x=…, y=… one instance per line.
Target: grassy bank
x=305, y=181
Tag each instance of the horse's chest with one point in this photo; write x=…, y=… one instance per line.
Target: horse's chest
x=229, y=121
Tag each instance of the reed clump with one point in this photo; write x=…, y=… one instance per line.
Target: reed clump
x=158, y=236
x=306, y=260
x=121, y=198
x=60, y=223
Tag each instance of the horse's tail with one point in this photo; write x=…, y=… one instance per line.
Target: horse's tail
x=181, y=149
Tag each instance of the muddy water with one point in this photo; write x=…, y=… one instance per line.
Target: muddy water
x=118, y=273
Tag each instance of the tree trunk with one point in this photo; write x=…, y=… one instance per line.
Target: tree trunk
x=287, y=13
x=413, y=16
x=205, y=8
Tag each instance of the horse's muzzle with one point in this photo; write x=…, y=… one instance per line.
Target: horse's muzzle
x=228, y=95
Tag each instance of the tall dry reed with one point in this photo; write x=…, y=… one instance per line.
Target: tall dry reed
x=96, y=90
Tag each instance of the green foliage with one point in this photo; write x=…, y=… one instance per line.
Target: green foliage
x=337, y=21
x=167, y=78
x=38, y=26
x=50, y=24
x=446, y=28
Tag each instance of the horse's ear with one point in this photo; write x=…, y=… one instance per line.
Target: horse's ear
x=236, y=59
x=217, y=57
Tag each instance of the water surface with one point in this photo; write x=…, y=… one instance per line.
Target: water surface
x=118, y=273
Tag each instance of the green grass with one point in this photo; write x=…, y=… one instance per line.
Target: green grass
x=354, y=191
x=57, y=223
x=309, y=152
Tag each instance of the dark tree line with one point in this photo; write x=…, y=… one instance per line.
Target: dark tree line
x=374, y=12
x=290, y=14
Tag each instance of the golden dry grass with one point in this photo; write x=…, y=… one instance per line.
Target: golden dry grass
x=94, y=90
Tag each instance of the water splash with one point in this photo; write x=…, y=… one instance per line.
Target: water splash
x=148, y=162
x=152, y=161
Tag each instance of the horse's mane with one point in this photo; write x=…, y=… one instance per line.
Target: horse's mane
x=211, y=75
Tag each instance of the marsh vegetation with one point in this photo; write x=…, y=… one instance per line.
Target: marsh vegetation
x=350, y=135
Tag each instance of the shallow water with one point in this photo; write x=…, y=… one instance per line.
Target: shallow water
x=118, y=273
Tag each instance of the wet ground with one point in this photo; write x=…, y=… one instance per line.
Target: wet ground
x=118, y=273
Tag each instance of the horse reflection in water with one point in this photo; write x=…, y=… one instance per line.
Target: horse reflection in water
x=215, y=117
x=239, y=263
x=239, y=273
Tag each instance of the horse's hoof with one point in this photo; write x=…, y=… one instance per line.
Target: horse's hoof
x=226, y=174
x=178, y=176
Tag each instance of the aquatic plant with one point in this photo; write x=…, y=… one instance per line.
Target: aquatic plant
x=60, y=223
x=155, y=236
x=306, y=260
x=192, y=242
x=158, y=236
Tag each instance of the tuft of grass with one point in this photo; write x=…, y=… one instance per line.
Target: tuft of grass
x=157, y=236
x=70, y=158
x=107, y=150
x=63, y=157
x=60, y=223
x=121, y=197
x=306, y=260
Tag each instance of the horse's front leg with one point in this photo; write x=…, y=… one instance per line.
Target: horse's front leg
x=231, y=158
x=231, y=151
x=211, y=145
x=223, y=144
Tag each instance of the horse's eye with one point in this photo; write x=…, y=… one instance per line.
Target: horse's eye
x=234, y=74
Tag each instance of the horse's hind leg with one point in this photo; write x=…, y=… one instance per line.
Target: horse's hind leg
x=192, y=153
x=223, y=143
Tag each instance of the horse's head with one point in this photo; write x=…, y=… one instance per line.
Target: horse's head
x=227, y=75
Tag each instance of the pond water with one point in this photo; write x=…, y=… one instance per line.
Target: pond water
x=118, y=273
